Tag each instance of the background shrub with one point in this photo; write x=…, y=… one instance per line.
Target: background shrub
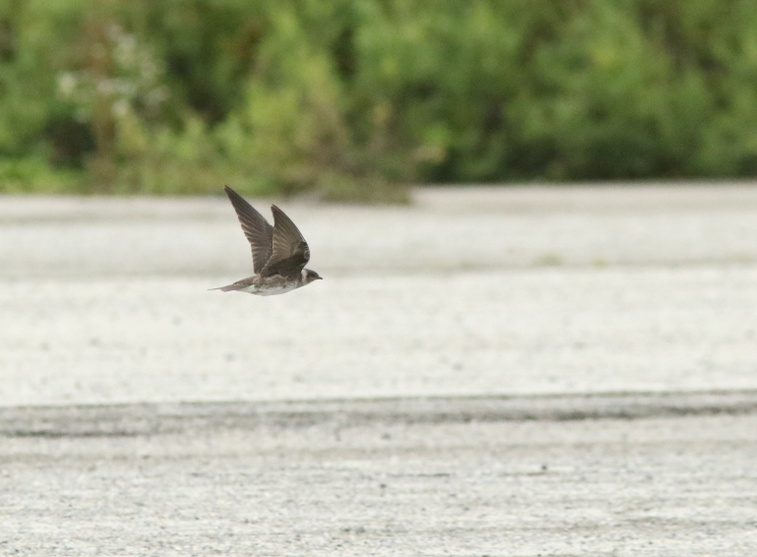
x=352, y=98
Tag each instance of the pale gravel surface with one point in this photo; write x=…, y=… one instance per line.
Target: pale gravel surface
x=517, y=331
x=446, y=230
x=651, y=487
x=473, y=295
x=521, y=290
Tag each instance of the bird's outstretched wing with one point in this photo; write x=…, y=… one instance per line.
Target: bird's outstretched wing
x=259, y=233
x=290, y=251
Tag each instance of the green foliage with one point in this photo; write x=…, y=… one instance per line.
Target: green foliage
x=351, y=98
x=19, y=175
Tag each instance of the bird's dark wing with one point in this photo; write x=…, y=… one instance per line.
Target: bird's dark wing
x=259, y=233
x=290, y=250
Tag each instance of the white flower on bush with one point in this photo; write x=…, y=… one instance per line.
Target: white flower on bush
x=133, y=75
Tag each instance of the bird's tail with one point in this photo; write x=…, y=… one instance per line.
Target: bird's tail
x=226, y=288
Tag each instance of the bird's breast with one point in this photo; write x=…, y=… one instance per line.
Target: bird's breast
x=270, y=286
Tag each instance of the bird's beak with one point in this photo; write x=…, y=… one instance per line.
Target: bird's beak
x=319, y=278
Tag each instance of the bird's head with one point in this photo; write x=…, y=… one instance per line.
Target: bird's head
x=310, y=276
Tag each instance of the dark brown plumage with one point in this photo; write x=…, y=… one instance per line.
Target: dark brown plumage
x=279, y=252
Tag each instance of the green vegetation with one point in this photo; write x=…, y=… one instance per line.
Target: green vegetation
x=352, y=97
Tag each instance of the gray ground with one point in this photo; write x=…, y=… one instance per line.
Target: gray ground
x=523, y=371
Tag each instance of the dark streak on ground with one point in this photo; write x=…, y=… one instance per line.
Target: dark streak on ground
x=129, y=420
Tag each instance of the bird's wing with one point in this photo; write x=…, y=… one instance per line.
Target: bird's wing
x=290, y=250
x=259, y=233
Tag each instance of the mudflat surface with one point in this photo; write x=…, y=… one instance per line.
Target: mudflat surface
x=468, y=291
x=650, y=486
x=489, y=371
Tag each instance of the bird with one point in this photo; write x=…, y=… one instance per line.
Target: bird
x=279, y=252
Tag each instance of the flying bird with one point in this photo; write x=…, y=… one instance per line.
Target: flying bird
x=279, y=252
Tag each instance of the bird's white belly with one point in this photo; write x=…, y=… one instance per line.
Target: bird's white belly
x=268, y=290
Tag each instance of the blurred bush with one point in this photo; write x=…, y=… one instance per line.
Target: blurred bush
x=352, y=98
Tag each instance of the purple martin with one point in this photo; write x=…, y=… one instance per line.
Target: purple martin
x=279, y=252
